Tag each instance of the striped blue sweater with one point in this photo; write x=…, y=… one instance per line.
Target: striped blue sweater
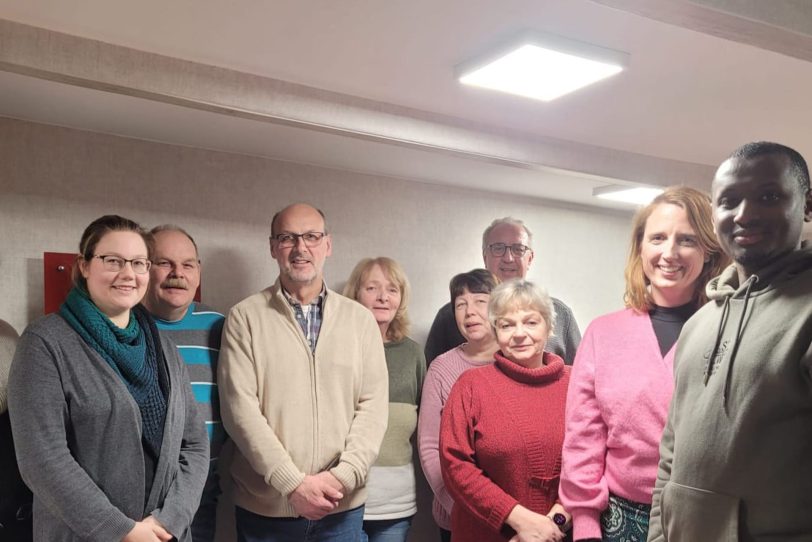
x=197, y=336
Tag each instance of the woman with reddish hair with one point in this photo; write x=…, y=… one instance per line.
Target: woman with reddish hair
x=622, y=378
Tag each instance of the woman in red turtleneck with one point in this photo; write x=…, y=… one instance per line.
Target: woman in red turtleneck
x=503, y=428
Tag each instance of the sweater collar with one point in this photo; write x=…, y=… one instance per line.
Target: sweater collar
x=551, y=370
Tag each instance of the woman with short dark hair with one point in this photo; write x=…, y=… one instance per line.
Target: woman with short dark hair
x=106, y=427
x=470, y=293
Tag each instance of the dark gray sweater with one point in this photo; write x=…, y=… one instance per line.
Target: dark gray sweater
x=77, y=432
x=444, y=334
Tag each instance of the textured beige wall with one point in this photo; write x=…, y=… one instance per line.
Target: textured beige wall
x=54, y=181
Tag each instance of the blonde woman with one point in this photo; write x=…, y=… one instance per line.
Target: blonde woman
x=381, y=286
x=503, y=427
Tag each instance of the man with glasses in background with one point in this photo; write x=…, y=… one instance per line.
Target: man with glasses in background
x=196, y=330
x=507, y=248
x=304, y=395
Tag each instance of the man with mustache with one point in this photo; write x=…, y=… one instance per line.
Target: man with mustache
x=196, y=330
x=304, y=395
x=734, y=456
x=507, y=249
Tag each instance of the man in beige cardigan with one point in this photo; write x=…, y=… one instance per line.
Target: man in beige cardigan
x=303, y=393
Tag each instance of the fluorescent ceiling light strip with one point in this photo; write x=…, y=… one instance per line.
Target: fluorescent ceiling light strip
x=637, y=195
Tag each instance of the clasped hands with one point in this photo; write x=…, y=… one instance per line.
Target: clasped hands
x=317, y=495
x=533, y=527
x=148, y=529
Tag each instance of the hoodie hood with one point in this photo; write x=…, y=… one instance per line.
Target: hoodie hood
x=726, y=287
x=727, y=284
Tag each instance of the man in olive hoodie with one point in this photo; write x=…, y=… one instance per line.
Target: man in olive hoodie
x=736, y=453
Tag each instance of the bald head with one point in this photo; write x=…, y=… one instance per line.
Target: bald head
x=296, y=208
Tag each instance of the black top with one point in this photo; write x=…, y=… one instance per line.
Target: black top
x=15, y=498
x=668, y=322
x=444, y=334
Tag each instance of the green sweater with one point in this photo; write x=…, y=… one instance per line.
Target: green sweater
x=391, y=483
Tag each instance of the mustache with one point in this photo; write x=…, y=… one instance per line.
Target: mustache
x=175, y=283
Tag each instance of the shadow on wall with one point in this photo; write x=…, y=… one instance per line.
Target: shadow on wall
x=229, y=276
x=423, y=527
x=35, y=288
x=339, y=286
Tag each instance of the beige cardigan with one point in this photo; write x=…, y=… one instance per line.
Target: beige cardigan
x=291, y=413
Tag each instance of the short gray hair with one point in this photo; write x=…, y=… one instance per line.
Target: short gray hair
x=520, y=294
x=175, y=227
x=510, y=221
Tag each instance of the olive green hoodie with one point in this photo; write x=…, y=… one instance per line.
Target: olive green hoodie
x=736, y=453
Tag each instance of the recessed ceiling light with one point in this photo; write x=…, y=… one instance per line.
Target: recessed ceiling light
x=542, y=66
x=637, y=195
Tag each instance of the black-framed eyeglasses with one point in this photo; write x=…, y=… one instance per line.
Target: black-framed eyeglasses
x=289, y=240
x=117, y=263
x=517, y=249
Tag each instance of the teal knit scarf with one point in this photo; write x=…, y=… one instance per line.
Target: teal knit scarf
x=129, y=351
x=123, y=348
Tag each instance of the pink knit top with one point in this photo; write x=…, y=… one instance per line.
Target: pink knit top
x=616, y=410
x=440, y=377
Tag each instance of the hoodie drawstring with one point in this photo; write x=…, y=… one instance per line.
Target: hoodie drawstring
x=722, y=324
x=750, y=282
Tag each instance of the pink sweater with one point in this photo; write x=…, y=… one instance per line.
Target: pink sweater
x=441, y=376
x=616, y=410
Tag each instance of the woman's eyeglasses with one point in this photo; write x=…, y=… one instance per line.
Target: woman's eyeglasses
x=117, y=263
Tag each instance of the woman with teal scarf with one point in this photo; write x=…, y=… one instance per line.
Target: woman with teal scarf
x=107, y=431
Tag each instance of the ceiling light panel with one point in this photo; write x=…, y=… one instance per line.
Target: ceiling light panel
x=542, y=66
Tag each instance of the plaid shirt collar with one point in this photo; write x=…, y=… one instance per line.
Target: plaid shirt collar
x=309, y=316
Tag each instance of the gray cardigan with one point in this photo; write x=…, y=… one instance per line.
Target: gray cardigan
x=77, y=432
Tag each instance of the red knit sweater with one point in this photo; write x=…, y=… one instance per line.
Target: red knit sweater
x=500, y=444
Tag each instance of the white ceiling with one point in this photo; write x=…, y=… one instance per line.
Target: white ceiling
x=686, y=99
